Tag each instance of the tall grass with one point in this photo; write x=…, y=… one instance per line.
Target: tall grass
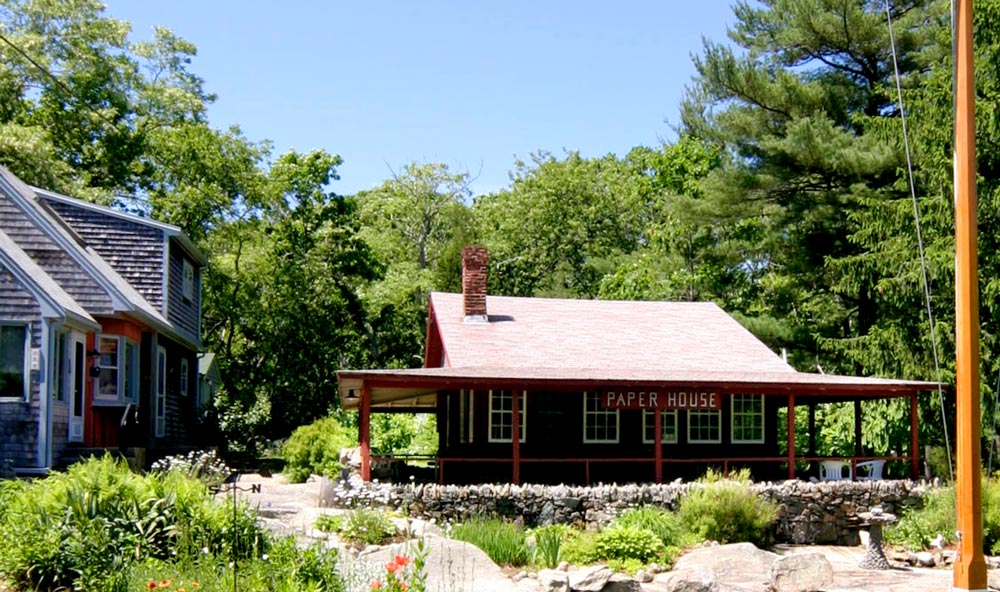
x=505, y=543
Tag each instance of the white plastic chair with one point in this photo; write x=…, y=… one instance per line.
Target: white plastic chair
x=870, y=470
x=833, y=470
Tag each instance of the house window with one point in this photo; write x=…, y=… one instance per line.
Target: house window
x=184, y=376
x=502, y=416
x=668, y=427
x=465, y=413
x=748, y=419
x=60, y=367
x=13, y=358
x=119, y=376
x=703, y=427
x=599, y=425
x=187, y=283
x=161, y=392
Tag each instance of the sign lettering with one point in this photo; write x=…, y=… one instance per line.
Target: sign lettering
x=636, y=399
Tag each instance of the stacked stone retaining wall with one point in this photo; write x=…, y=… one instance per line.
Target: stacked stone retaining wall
x=810, y=513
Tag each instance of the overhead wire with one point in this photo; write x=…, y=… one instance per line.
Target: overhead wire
x=920, y=239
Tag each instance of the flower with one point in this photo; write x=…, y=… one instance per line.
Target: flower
x=377, y=585
x=392, y=567
x=151, y=585
x=166, y=583
x=195, y=584
x=402, y=560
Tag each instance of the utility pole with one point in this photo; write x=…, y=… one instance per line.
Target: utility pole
x=970, y=565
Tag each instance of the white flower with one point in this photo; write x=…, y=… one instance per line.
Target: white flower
x=204, y=550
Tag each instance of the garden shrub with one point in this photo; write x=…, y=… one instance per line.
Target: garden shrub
x=329, y=522
x=504, y=542
x=628, y=542
x=85, y=527
x=315, y=449
x=917, y=528
x=666, y=525
x=203, y=465
x=579, y=547
x=367, y=527
x=726, y=511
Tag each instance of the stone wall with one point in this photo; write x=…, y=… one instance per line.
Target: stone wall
x=810, y=513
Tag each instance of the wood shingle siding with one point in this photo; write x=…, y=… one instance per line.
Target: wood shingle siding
x=134, y=250
x=53, y=259
x=182, y=312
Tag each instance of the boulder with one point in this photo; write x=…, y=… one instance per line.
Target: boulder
x=621, y=583
x=696, y=578
x=926, y=559
x=590, y=579
x=803, y=572
x=741, y=563
x=553, y=580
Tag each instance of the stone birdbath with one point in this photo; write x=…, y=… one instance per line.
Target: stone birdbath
x=875, y=556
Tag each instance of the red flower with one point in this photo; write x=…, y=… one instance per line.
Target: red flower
x=151, y=585
x=392, y=567
x=376, y=585
x=402, y=560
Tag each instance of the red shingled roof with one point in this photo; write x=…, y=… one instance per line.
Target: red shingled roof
x=662, y=338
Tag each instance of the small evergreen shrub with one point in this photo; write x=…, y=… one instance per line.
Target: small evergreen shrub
x=367, y=527
x=727, y=511
x=505, y=543
x=315, y=449
x=628, y=542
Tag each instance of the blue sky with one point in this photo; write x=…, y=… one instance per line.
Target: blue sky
x=471, y=84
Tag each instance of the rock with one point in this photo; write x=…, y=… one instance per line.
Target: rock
x=802, y=572
x=993, y=579
x=738, y=562
x=621, y=583
x=452, y=565
x=948, y=556
x=590, y=579
x=926, y=559
x=563, y=566
x=690, y=579
x=552, y=580
x=519, y=576
x=643, y=576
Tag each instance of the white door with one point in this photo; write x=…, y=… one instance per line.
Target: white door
x=77, y=380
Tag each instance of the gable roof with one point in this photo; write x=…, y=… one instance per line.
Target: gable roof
x=41, y=284
x=617, y=335
x=124, y=297
x=586, y=345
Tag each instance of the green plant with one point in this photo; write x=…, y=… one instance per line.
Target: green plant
x=315, y=449
x=86, y=527
x=727, y=511
x=548, y=540
x=579, y=547
x=504, y=542
x=664, y=524
x=203, y=465
x=917, y=528
x=368, y=527
x=329, y=522
x=628, y=542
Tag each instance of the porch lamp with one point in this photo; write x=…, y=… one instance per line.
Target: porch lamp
x=95, y=367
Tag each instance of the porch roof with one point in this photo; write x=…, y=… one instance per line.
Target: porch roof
x=418, y=387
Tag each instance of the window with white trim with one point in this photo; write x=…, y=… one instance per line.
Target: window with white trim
x=184, y=376
x=60, y=367
x=187, y=281
x=600, y=426
x=161, y=391
x=502, y=416
x=748, y=419
x=118, y=379
x=14, y=345
x=466, y=401
x=668, y=427
x=703, y=426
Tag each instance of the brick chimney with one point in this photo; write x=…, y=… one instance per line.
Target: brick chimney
x=474, y=283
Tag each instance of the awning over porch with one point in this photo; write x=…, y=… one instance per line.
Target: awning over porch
x=418, y=387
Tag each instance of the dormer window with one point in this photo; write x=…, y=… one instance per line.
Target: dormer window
x=187, y=284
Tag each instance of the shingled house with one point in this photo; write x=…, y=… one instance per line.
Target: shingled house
x=100, y=315
x=605, y=391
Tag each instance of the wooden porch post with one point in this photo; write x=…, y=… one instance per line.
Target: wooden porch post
x=658, y=444
x=364, y=433
x=857, y=429
x=914, y=450
x=516, y=435
x=812, y=429
x=791, y=436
